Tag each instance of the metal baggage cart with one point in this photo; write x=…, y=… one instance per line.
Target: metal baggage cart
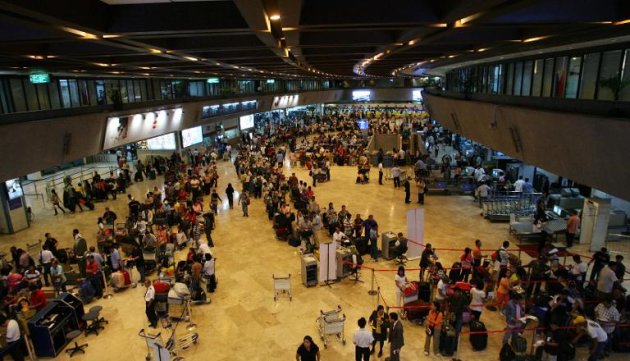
x=281, y=285
x=331, y=323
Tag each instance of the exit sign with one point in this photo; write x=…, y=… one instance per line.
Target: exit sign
x=213, y=80
x=39, y=78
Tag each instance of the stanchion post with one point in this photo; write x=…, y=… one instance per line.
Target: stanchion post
x=372, y=292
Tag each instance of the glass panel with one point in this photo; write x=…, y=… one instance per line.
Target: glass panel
x=573, y=78
x=130, y=94
x=123, y=91
x=54, y=95
x=538, y=73
x=74, y=93
x=19, y=103
x=518, y=78
x=589, y=76
x=42, y=95
x=137, y=90
x=560, y=77
x=547, y=77
x=65, y=93
x=510, y=79
x=83, y=93
x=527, y=78
x=100, y=92
x=624, y=94
x=608, y=83
x=31, y=95
x=92, y=92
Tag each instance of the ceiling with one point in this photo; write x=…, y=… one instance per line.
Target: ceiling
x=309, y=38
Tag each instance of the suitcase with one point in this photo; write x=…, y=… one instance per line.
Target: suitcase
x=181, y=290
x=62, y=255
x=479, y=341
x=417, y=313
x=118, y=280
x=455, y=274
x=161, y=287
x=412, y=289
x=294, y=241
x=448, y=341
x=424, y=291
x=362, y=245
x=127, y=277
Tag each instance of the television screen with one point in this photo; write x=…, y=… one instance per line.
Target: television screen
x=416, y=96
x=192, y=136
x=14, y=188
x=246, y=121
x=163, y=142
x=363, y=124
x=361, y=95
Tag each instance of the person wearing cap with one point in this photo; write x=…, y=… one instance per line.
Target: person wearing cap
x=598, y=336
x=607, y=315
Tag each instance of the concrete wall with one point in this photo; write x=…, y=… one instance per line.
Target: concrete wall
x=591, y=150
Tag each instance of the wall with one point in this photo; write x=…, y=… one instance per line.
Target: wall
x=591, y=150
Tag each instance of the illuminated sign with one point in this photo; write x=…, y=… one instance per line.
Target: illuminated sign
x=39, y=78
x=213, y=80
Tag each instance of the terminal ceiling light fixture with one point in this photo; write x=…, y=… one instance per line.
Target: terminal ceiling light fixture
x=80, y=33
x=104, y=65
x=155, y=51
x=274, y=17
x=481, y=50
x=111, y=36
x=622, y=22
x=536, y=38
x=36, y=57
x=191, y=58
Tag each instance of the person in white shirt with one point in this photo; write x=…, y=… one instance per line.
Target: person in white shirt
x=13, y=337
x=46, y=257
x=149, y=300
x=479, y=174
x=209, y=272
x=401, y=283
x=607, y=279
x=380, y=173
x=204, y=249
x=338, y=237
x=396, y=176
x=578, y=270
x=441, y=290
x=518, y=185
x=362, y=340
x=595, y=332
x=482, y=192
x=478, y=296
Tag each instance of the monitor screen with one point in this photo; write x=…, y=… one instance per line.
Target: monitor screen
x=246, y=121
x=192, y=136
x=416, y=95
x=557, y=210
x=363, y=124
x=163, y=142
x=361, y=95
x=14, y=188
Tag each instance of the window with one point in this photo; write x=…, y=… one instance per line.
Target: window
x=589, y=76
x=547, y=77
x=17, y=93
x=560, y=77
x=55, y=102
x=609, y=73
x=84, y=95
x=510, y=79
x=573, y=77
x=527, y=78
x=65, y=93
x=538, y=75
x=42, y=95
x=130, y=93
x=100, y=92
x=624, y=94
x=518, y=78
x=31, y=95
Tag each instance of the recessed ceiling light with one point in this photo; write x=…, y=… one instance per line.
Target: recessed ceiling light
x=155, y=51
x=111, y=36
x=102, y=64
x=191, y=58
x=274, y=17
x=536, y=38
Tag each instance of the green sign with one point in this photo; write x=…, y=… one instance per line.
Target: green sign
x=39, y=78
x=213, y=80
x=271, y=81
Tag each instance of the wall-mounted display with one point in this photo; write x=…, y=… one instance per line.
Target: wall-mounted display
x=416, y=96
x=14, y=188
x=136, y=127
x=285, y=101
x=361, y=95
x=163, y=142
x=192, y=136
x=246, y=121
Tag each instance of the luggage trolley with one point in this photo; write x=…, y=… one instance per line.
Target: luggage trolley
x=331, y=323
x=281, y=285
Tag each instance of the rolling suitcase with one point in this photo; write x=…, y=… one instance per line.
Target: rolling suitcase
x=118, y=280
x=448, y=341
x=294, y=241
x=418, y=310
x=126, y=277
x=479, y=341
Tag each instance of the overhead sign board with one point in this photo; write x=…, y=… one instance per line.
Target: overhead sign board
x=39, y=78
x=213, y=80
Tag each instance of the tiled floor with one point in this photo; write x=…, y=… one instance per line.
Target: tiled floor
x=243, y=322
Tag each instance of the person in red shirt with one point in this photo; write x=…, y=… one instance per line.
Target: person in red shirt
x=38, y=298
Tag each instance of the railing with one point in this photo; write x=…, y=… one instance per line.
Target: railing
x=40, y=189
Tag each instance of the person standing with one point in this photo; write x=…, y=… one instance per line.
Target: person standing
x=396, y=175
x=407, y=187
x=362, y=340
x=308, y=350
x=149, y=299
x=401, y=282
x=396, y=338
x=138, y=257
x=380, y=173
x=607, y=316
x=13, y=338
x=209, y=272
x=595, y=332
x=467, y=261
x=46, y=257
x=378, y=321
x=514, y=311
x=433, y=329
x=422, y=190
x=244, y=202
x=57, y=276
x=477, y=297
x=600, y=259
x=229, y=191
x=79, y=248
x=371, y=231
x=56, y=202
x=573, y=224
